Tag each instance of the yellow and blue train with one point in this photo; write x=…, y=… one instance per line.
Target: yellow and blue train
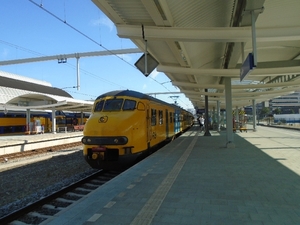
x=126, y=125
x=14, y=122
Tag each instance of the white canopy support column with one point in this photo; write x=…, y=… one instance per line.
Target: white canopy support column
x=53, y=121
x=254, y=114
x=218, y=116
x=237, y=119
x=81, y=116
x=28, y=120
x=207, y=133
x=229, y=124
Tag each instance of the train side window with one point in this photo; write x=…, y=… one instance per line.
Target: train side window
x=113, y=104
x=99, y=106
x=153, y=117
x=160, y=116
x=129, y=104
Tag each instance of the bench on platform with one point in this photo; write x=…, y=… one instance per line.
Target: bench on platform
x=78, y=127
x=241, y=129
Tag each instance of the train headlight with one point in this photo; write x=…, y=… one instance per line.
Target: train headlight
x=89, y=140
x=116, y=141
x=103, y=119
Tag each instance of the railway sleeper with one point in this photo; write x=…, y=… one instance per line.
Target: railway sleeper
x=76, y=194
x=65, y=200
x=36, y=214
x=47, y=206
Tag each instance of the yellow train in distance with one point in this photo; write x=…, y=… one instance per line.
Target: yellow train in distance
x=126, y=125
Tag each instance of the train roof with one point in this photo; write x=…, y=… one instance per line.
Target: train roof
x=134, y=94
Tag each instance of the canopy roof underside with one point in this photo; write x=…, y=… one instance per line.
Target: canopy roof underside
x=200, y=43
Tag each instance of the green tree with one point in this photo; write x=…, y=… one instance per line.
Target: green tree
x=277, y=111
x=264, y=112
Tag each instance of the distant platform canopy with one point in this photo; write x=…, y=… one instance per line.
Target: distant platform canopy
x=21, y=93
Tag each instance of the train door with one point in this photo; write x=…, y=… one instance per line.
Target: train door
x=167, y=123
x=148, y=126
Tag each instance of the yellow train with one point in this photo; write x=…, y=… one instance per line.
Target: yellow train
x=126, y=125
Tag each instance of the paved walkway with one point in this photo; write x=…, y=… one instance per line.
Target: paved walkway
x=196, y=180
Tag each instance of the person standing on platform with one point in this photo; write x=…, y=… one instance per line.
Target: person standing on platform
x=201, y=120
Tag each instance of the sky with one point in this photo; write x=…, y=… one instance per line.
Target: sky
x=36, y=28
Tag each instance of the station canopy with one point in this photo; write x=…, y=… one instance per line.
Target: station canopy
x=200, y=44
x=21, y=93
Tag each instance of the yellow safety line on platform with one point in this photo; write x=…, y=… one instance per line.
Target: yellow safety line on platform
x=147, y=213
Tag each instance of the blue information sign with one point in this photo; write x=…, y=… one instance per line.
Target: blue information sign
x=247, y=66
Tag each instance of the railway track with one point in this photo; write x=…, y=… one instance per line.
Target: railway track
x=45, y=208
x=19, y=155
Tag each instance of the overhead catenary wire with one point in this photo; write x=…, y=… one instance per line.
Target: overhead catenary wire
x=83, y=34
x=86, y=36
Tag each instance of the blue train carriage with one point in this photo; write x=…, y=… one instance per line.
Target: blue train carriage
x=126, y=125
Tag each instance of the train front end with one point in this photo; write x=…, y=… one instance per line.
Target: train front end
x=113, y=133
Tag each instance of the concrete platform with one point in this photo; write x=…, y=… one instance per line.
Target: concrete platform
x=197, y=180
x=20, y=143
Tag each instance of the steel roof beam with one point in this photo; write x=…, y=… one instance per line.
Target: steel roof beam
x=293, y=83
x=234, y=73
x=210, y=34
x=73, y=55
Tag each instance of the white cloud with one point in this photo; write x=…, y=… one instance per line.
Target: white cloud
x=103, y=21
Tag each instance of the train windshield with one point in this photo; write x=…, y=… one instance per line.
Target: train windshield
x=99, y=106
x=129, y=104
x=113, y=104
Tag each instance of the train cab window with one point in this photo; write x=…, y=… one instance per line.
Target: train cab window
x=153, y=117
x=160, y=116
x=113, y=104
x=99, y=106
x=129, y=104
